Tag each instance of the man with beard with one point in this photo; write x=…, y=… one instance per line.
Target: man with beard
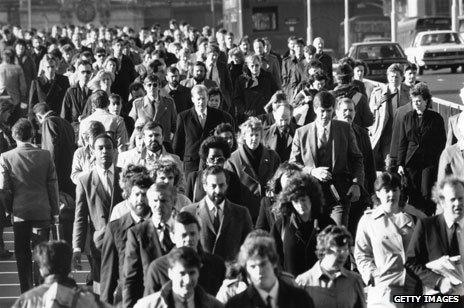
x=199, y=77
x=97, y=192
x=346, y=112
x=114, y=242
x=155, y=107
x=186, y=233
x=179, y=93
x=148, y=241
x=195, y=125
x=224, y=225
x=279, y=136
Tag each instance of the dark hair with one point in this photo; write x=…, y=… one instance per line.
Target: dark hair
x=212, y=170
x=104, y=136
x=95, y=129
x=410, y=67
x=172, y=70
x=291, y=38
x=199, y=63
x=363, y=64
x=99, y=99
x=318, y=75
x=298, y=187
x=83, y=62
x=300, y=41
x=142, y=180
x=421, y=89
x=186, y=218
x=115, y=98
x=54, y=258
x=100, y=50
x=152, y=78
x=323, y=99
x=135, y=86
x=214, y=142
x=347, y=60
x=332, y=235
x=262, y=246
x=167, y=166
x=152, y=125
x=186, y=256
x=127, y=173
x=224, y=128
x=387, y=180
x=41, y=108
x=154, y=65
x=310, y=49
x=22, y=130
x=314, y=63
x=286, y=168
x=8, y=56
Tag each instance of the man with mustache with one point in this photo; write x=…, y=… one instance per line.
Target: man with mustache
x=224, y=225
x=135, y=186
x=346, y=112
x=179, y=93
x=199, y=77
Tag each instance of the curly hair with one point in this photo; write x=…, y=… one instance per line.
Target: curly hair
x=300, y=186
x=289, y=170
x=252, y=124
x=214, y=142
x=141, y=180
x=127, y=174
x=421, y=89
x=332, y=235
x=166, y=167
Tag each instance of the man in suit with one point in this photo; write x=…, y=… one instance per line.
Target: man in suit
x=75, y=99
x=147, y=241
x=385, y=100
x=194, y=126
x=279, y=136
x=258, y=256
x=224, y=225
x=438, y=237
x=199, y=77
x=346, y=112
x=183, y=289
x=49, y=87
x=217, y=71
x=400, y=113
x=114, y=124
x=329, y=151
x=179, y=93
x=114, y=241
x=126, y=73
x=29, y=190
x=186, y=233
x=155, y=107
x=270, y=62
x=97, y=192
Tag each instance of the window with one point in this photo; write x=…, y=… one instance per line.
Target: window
x=369, y=52
x=264, y=19
x=440, y=38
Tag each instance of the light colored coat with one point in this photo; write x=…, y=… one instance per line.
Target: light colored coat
x=13, y=81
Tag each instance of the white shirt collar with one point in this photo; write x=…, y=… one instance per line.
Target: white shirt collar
x=135, y=217
x=205, y=113
x=211, y=206
x=320, y=128
x=273, y=293
x=101, y=171
x=168, y=223
x=449, y=222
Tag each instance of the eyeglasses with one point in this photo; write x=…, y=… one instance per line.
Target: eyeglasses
x=149, y=85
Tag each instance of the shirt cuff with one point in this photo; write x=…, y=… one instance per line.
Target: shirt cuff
x=77, y=250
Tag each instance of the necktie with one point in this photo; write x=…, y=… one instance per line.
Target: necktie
x=454, y=243
x=269, y=302
x=166, y=242
x=202, y=118
x=109, y=186
x=323, y=138
x=216, y=220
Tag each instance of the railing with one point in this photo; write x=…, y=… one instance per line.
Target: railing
x=445, y=108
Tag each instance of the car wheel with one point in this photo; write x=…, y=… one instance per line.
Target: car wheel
x=454, y=69
x=421, y=70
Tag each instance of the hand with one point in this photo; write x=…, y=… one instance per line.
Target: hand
x=354, y=193
x=322, y=174
x=445, y=286
x=303, y=279
x=401, y=170
x=77, y=260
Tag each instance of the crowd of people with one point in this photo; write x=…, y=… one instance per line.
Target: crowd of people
x=196, y=169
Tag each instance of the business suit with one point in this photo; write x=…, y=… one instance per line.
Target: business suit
x=271, y=137
x=190, y=82
x=455, y=132
x=419, y=150
x=451, y=162
x=288, y=296
x=212, y=273
x=397, y=121
x=181, y=96
x=429, y=242
x=74, y=105
x=163, y=111
x=220, y=75
x=123, y=78
x=346, y=163
x=253, y=182
x=189, y=134
x=50, y=92
x=29, y=189
x=58, y=138
x=142, y=247
x=93, y=208
x=383, y=105
x=113, y=253
x=235, y=226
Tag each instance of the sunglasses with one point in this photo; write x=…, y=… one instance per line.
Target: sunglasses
x=150, y=85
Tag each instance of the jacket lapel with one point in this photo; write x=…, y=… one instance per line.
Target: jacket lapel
x=264, y=167
x=100, y=191
x=162, y=108
x=312, y=140
x=246, y=164
x=153, y=241
x=203, y=213
x=335, y=139
x=272, y=139
x=226, y=217
x=443, y=238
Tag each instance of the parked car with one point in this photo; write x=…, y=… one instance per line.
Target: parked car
x=436, y=49
x=378, y=56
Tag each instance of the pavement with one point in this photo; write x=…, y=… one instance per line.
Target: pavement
x=444, y=84
x=9, y=281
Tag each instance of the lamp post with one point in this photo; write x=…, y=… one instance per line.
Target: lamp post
x=393, y=20
x=346, y=28
x=309, y=29
x=454, y=15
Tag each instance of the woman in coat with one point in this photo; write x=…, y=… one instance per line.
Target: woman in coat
x=301, y=219
x=253, y=163
x=422, y=139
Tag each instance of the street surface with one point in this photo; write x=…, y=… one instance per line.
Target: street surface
x=443, y=84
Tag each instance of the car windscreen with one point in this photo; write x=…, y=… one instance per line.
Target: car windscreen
x=440, y=38
x=368, y=52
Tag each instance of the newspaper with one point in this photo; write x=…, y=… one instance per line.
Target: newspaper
x=451, y=268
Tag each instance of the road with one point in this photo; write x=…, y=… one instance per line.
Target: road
x=444, y=84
